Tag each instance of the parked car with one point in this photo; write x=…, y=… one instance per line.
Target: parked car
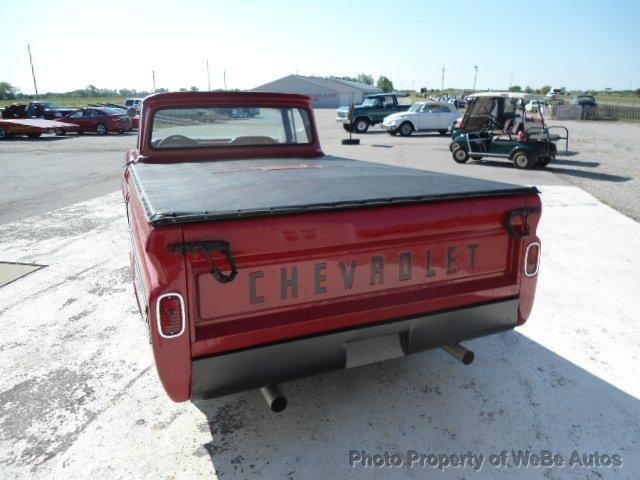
x=30, y=127
x=101, y=120
x=132, y=102
x=535, y=105
x=38, y=109
x=584, y=101
x=257, y=259
x=371, y=112
x=423, y=117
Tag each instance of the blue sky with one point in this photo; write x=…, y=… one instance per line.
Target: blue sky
x=116, y=44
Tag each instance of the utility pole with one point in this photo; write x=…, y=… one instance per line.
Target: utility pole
x=442, y=84
x=153, y=76
x=475, y=77
x=33, y=73
x=208, y=76
x=224, y=78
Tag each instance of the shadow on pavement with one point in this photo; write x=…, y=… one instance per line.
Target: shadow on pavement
x=517, y=395
x=606, y=177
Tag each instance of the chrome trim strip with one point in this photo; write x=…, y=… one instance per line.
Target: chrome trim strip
x=526, y=257
x=172, y=294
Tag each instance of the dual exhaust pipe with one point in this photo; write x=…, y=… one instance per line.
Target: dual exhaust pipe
x=277, y=402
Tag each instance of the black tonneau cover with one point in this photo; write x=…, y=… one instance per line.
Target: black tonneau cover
x=196, y=191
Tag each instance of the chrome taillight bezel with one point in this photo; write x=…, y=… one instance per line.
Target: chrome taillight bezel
x=526, y=258
x=182, y=312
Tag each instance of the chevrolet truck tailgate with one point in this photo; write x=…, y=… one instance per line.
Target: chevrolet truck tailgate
x=327, y=244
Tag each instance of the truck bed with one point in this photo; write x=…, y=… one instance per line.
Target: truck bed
x=198, y=191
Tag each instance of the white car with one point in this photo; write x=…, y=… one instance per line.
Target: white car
x=535, y=105
x=422, y=117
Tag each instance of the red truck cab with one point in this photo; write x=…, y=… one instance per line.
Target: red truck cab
x=257, y=259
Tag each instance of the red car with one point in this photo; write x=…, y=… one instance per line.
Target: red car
x=101, y=120
x=258, y=259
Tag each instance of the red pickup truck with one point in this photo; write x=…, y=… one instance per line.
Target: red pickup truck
x=257, y=259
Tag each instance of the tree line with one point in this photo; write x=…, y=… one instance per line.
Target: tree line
x=10, y=92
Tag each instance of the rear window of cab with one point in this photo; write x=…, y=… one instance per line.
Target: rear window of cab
x=230, y=126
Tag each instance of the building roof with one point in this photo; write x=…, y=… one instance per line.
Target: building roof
x=335, y=84
x=357, y=85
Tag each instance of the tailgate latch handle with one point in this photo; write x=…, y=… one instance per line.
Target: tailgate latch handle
x=523, y=214
x=205, y=248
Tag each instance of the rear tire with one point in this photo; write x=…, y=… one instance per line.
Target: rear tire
x=460, y=155
x=361, y=125
x=101, y=129
x=442, y=132
x=3, y=133
x=406, y=129
x=523, y=160
x=61, y=133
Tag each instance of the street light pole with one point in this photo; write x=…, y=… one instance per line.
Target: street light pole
x=442, y=84
x=33, y=73
x=153, y=76
x=208, y=76
x=475, y=76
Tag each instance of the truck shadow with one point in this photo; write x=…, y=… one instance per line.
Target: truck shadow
x=517, y=395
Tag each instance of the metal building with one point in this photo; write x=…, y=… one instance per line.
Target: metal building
x=325, y=92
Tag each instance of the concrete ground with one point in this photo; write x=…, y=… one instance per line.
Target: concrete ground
x=80, y=398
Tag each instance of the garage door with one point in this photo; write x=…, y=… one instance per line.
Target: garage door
x=325, y=100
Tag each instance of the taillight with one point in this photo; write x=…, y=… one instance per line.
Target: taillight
x=170, y=315
x=532, y=259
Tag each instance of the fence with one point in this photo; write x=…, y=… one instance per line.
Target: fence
x=601, y=112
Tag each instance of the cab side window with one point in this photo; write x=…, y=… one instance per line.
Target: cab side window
x=387, y=102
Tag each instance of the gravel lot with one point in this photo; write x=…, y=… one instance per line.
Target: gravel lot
x=51, y=172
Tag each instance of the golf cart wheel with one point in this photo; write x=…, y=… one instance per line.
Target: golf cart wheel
x=406, y=129
x=34, y=135
x=3, y=133
x=460, y=155
x=61, y=133
x=453, y=146
x=101, y=129
x=348, y=128
x=522, y=160
x=361, y=125
x=442, y=132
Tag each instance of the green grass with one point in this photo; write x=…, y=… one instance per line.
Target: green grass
x=71, y=102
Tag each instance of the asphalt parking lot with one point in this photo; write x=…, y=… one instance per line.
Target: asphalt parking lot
x=51, y=172
x=79, y=396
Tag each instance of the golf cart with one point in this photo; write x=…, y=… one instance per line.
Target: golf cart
x=495, y=125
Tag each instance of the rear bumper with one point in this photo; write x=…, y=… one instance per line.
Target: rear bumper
x=256, y=367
